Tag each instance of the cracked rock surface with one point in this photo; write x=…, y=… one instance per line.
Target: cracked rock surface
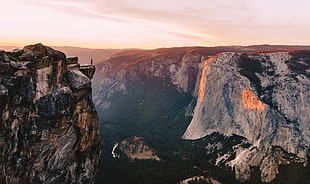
x=49, y=130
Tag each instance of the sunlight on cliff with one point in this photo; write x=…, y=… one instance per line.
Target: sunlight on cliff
x=250, y=101
x=203, y=79
x=202, y=84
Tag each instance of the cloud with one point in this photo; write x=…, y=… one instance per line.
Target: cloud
x=208, y=19
x=200, y=15
x=155, y=22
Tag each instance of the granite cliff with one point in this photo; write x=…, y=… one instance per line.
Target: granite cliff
x=262, y=97
x=258, y=93
x=181, y=67
x=49, y=129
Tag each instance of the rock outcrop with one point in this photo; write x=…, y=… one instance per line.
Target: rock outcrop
x=136, y=148
x=262, y=97
x=49, y=129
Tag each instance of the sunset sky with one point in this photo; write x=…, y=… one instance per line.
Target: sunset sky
x=154, y=23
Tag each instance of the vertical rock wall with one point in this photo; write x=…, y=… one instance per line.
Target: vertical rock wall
x=262, y=97
x=49, y=130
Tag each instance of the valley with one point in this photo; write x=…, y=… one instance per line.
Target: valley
x=155, y=94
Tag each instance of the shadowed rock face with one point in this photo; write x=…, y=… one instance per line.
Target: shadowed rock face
x=49, y=129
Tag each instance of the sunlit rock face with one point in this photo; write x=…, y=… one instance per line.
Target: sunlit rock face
x=250, y=101
x=181, y=67
x=49, y=129
x=263, y=97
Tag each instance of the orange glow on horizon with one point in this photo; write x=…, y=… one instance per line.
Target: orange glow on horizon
x=123, y=24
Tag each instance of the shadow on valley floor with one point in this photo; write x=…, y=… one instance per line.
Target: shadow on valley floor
x=154, y=111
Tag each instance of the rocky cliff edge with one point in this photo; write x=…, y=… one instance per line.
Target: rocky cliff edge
x=49, y=129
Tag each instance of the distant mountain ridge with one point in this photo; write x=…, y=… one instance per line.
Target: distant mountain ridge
x=100, y=55
x=84, y=54
x=258, y=92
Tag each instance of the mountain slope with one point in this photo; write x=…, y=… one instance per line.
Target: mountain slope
x=238, y=117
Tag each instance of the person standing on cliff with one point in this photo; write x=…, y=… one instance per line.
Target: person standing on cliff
x=91, y=61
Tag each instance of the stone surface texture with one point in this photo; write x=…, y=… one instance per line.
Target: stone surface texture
x=49, y=129
x=263, y=97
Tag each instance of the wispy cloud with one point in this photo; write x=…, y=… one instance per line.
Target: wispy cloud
x=150, y=23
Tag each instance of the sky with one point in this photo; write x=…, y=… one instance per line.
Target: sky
x=154, y=23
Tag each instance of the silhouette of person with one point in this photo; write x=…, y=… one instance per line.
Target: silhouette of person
x=91, y=61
